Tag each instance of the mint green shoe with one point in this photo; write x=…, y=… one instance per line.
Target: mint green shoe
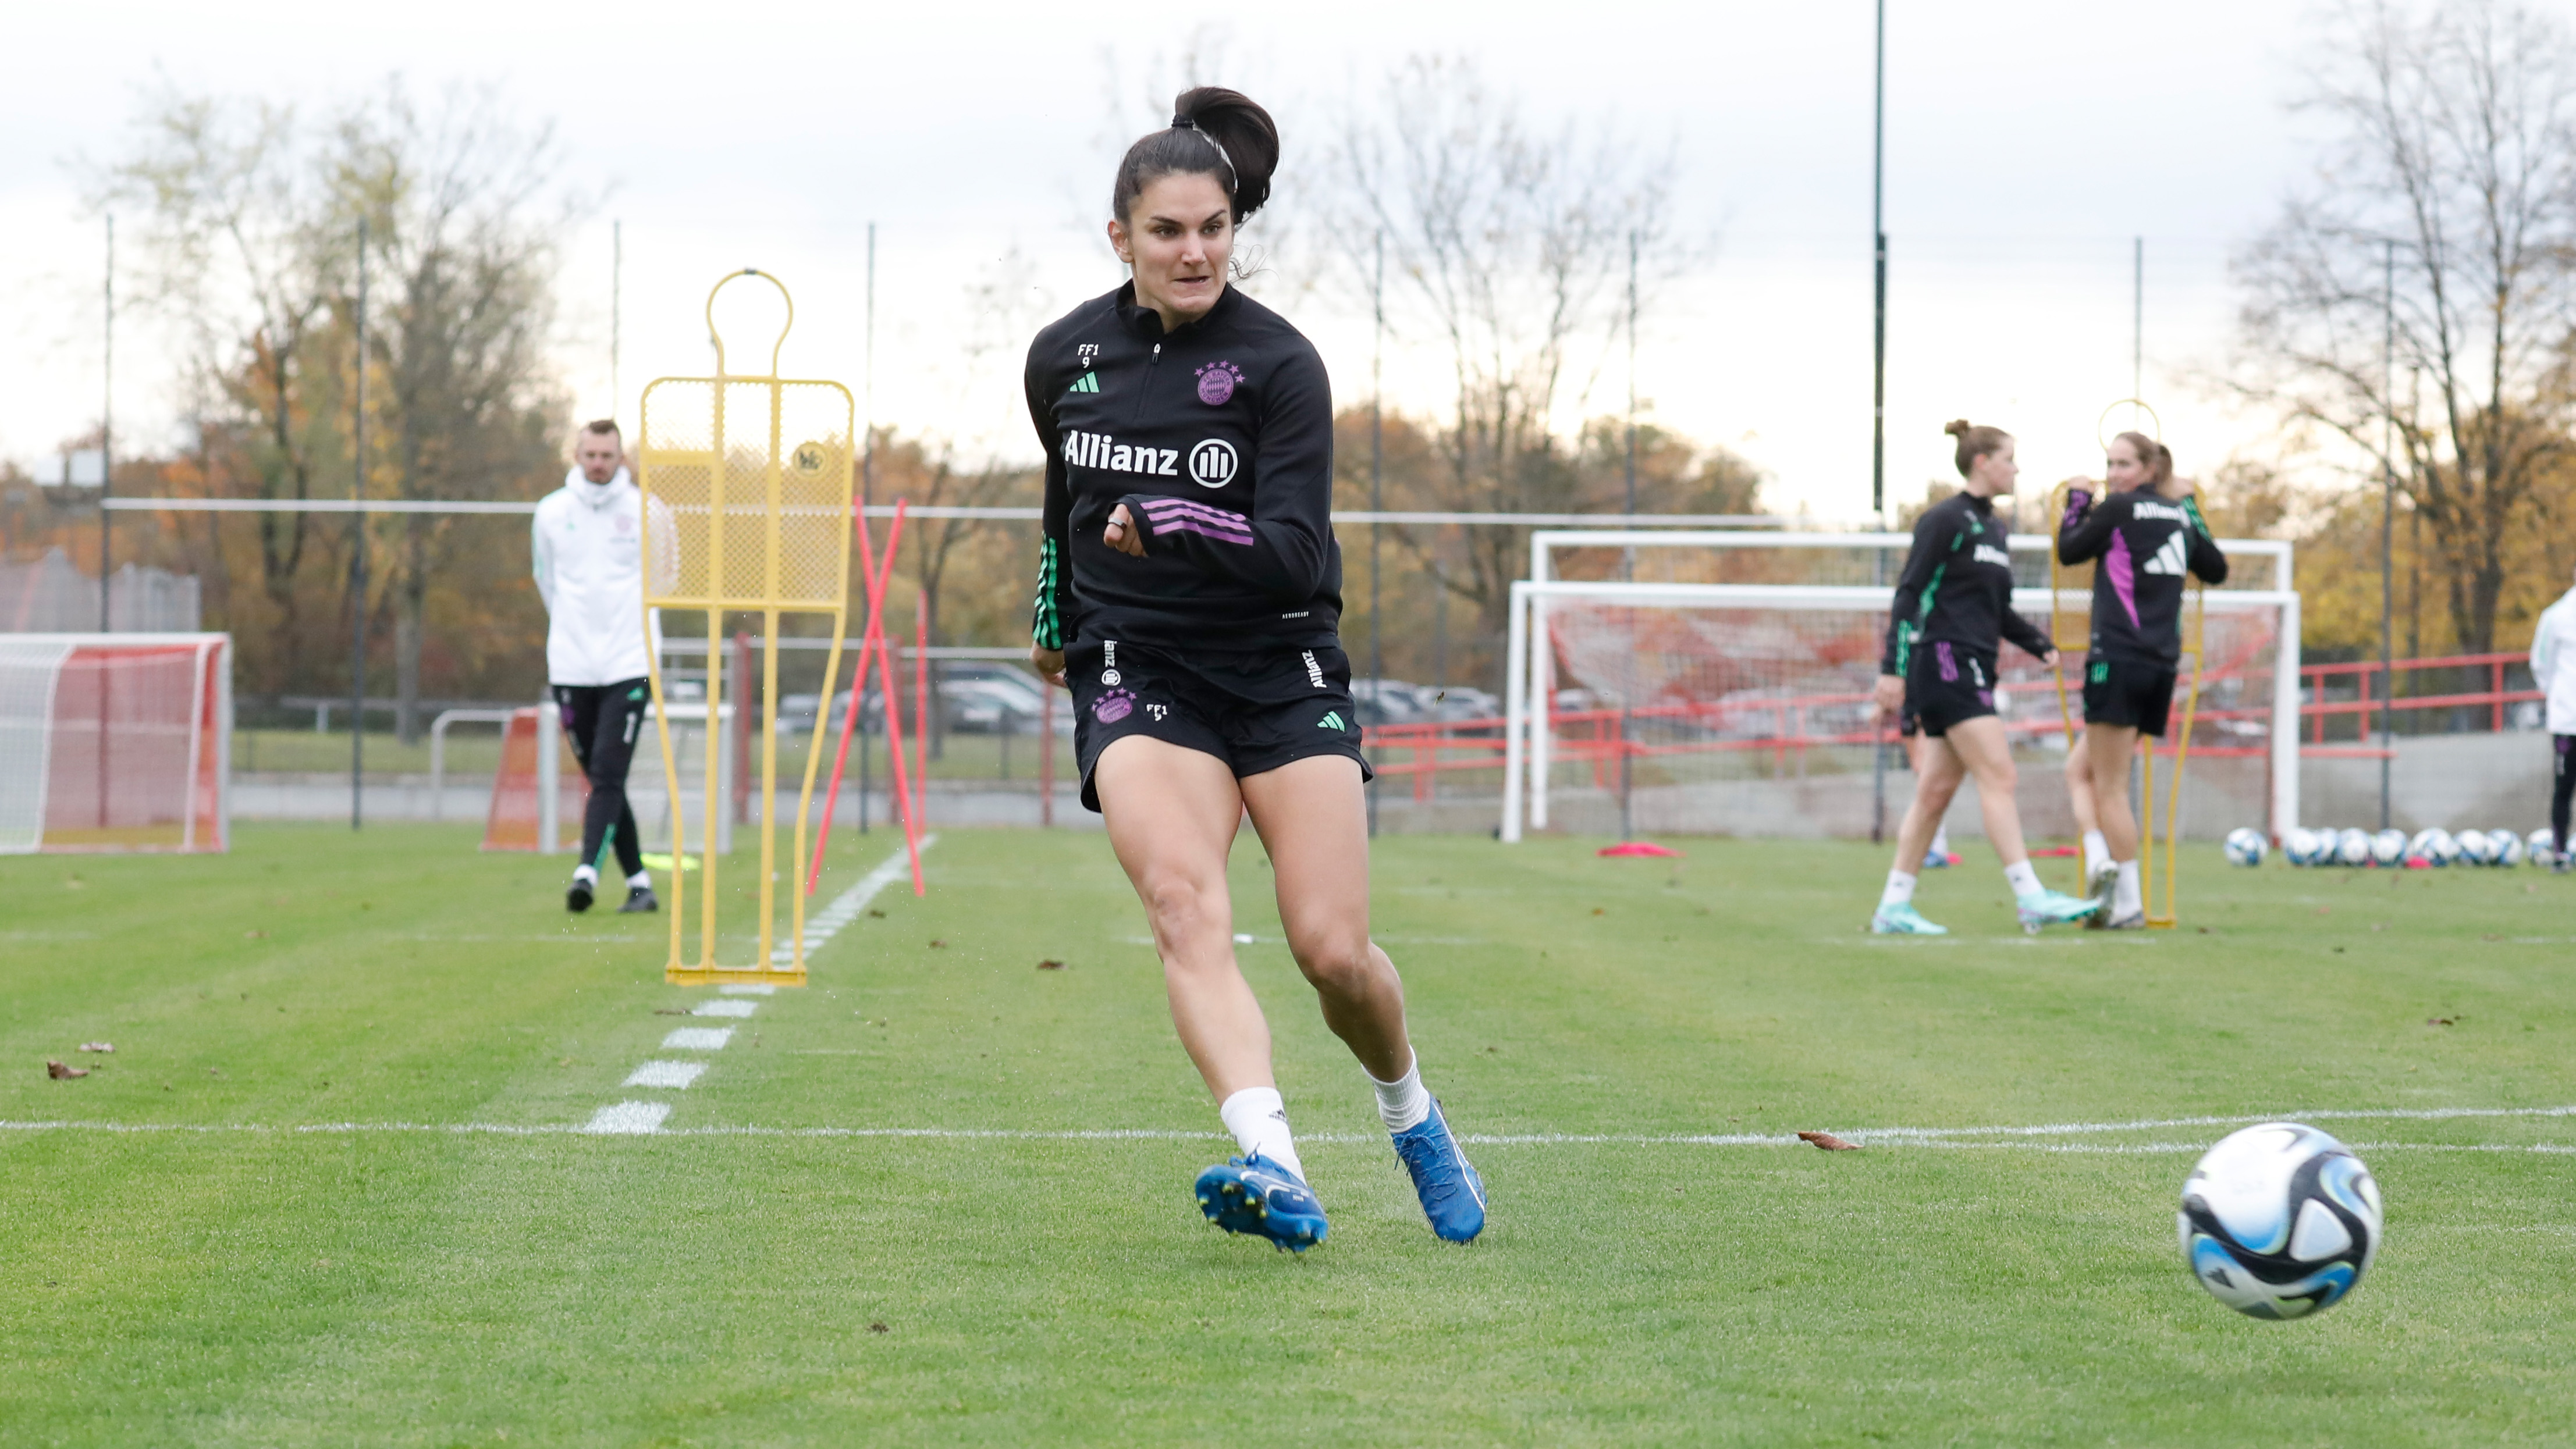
x=1903, y=920
x=2052, y=908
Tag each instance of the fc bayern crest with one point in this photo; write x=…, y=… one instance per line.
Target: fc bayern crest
x=1217, y=381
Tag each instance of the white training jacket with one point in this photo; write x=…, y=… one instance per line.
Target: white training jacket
x=587, y=540
x=2553, y=662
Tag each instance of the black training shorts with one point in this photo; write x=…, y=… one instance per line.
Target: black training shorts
x=1256, y=710
x=1947, y=683
x=2128, y=692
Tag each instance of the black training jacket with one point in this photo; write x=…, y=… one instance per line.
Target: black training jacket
x=2146, y=544
x=1219, y=439
x=1957, y=585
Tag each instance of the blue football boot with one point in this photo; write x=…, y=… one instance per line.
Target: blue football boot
x=1258, y=1196
x=1453, y=1196
x=1903, y=920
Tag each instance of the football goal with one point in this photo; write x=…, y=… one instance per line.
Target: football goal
x=1744, y=708
x=115, y=742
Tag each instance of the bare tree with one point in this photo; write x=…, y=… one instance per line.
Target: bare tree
x=239, y=251
x=1510, y=247
x=463, y=216
x=2456, y=165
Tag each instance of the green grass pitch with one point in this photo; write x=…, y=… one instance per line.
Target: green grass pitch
x=332, y=1261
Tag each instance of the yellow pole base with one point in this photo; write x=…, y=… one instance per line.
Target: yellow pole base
x=678, y=975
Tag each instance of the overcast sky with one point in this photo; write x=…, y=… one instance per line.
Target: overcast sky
x=2028, y=143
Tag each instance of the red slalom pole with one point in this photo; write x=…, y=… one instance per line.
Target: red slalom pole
x=873, y=579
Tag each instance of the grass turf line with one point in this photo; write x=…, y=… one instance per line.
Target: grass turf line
x=284, y=1287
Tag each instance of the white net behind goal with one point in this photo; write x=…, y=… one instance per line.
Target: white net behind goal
x=1745, y=709
x=114, y=742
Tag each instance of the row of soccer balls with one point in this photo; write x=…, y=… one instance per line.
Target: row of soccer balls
x=2246, y=846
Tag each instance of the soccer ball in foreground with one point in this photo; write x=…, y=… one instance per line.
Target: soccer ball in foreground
x=2504, y=847
x=2245, y=846
x=2388, y=847
x=2352, y=847
x=2279, y=1221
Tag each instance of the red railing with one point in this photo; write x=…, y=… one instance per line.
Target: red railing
x=1424, y=750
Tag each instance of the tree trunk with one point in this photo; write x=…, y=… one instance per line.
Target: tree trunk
x=408, y=627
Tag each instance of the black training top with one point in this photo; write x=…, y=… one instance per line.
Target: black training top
x=1957, y=585
x=2146, y=544
x=1219, y=439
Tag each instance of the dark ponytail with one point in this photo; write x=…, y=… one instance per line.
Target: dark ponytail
x=1214, y=132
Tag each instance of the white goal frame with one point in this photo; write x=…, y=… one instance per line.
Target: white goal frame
x=1529, y=682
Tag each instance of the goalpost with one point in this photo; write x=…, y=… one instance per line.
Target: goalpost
x=1742, y=707
x=115, y=742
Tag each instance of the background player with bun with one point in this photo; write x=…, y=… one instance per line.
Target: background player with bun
x=2148, y=535
x=1952, y=611
x=1189, y=591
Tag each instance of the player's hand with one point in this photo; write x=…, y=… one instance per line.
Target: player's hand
x=1890, y=694
x=1121, y=533
x=2048, y=656
x=1049, y=663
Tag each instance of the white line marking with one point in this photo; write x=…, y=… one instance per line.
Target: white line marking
x=628, y=1118
x=751, y=989
x=698, y=1039
x=823, y=925
x=724, y=1008
x=665, y=1074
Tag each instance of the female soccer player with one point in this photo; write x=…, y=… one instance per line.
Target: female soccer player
x=1952, y=608
x=2148, y=534
x=1189, y=590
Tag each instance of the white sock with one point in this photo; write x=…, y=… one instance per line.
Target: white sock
x=641, y=880
x=2097, y=853
x=1258, y=1118
x=2025, y=881
x=1900, y=889
x=1941, y=840
x=2127, y=899
x=586, y=872
x=1402, y=1103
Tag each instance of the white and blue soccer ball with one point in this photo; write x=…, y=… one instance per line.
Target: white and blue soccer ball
x=2388, y=847
x=2476, y=848
x=2352, y=846
x=2446, y=847
x=2427, y=846
x=2299, y=846
x=2245, y=846
x=2279, y=1221
x=2543, y=847
x=2504, y=847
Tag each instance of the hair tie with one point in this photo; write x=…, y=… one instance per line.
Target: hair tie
x=1184, y=123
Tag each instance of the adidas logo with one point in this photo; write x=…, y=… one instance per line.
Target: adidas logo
x=1332, y=720
x=1089, y=382
x=2173, y=558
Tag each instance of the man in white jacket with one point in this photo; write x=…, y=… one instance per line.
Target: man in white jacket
x=2553, y=673
x=588, y=545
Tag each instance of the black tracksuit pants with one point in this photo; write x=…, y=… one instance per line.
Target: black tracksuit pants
x=603, y=722
x=2562, y=786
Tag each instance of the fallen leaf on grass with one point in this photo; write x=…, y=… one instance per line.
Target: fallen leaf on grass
x=2325, y=910
x=879, y=1328
x=877, y=915
x=1828, y=1142
x=1050, y=965
x=2439, y=1020
x=669, y=1011
x=97, y=1046
x=254, y=935
x=2490, y=938
x=59, y=1072
x=935, y=945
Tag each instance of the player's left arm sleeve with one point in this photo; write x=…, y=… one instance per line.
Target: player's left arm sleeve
x=1922, y=560
x=1285, y=548
x=2086, y=530
x=1052, y=607
x=2032, y=639
x=2544, y=647
x=2208, y=560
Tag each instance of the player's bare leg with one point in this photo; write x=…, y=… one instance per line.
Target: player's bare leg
x=1937, y=773
x=1985, y=750
x=2108, y=749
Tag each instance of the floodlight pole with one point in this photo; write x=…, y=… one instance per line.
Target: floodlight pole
x=2387, y=516
x=106, y=432
x=1377, y=492
x=358, y=555
x=1878, y=397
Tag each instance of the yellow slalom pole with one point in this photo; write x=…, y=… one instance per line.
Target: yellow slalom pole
x=2059, y=585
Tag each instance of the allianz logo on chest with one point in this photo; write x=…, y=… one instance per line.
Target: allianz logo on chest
x=1100, y=450
x=1987, y=553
